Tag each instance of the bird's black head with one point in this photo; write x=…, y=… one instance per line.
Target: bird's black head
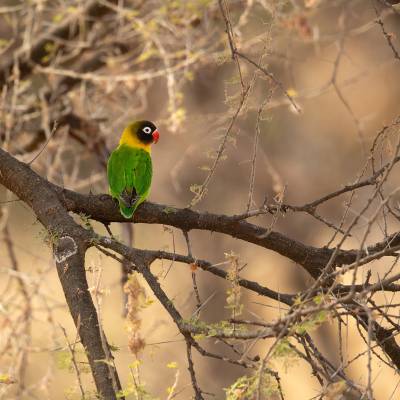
x=146, y=132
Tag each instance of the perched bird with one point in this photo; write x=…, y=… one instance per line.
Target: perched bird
x=129, y=168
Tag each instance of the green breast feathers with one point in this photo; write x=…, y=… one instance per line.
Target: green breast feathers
x=129, y=173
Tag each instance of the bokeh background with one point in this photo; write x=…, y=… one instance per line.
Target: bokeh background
x=169, y=61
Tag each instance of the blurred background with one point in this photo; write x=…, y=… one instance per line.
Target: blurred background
x=170, y=62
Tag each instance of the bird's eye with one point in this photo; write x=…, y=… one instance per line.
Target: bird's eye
x=147, y=129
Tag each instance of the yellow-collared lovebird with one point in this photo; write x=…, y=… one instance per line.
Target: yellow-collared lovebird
x=129, y=168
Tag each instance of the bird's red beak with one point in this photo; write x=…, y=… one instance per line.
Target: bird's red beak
x=156, y=136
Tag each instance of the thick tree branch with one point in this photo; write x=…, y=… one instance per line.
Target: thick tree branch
x=71, y=272
x=69, y=242
x=102, y=208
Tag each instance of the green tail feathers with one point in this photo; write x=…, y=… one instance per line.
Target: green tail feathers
x=126, y=212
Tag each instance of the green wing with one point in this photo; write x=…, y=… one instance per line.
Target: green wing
x=129, y=173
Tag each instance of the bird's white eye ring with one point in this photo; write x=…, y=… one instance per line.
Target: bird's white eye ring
x=147, y=129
